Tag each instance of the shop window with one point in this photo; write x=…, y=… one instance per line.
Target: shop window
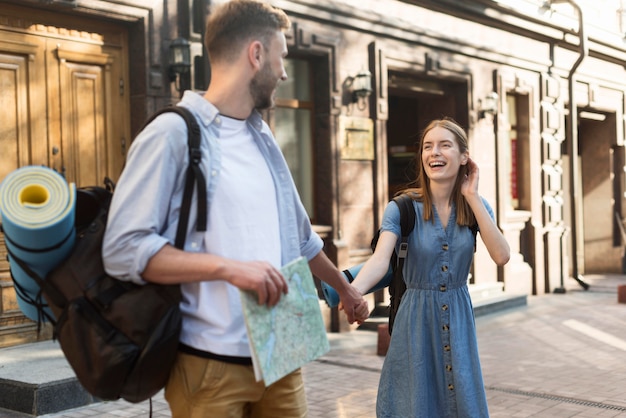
x=291, y=122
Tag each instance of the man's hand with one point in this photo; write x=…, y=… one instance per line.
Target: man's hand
x=260, y=277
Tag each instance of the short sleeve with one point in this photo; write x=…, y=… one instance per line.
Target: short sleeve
x=391, y=219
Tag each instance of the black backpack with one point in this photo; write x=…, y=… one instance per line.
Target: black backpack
x=120, y=338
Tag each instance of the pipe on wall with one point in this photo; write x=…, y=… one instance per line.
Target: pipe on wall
x=572, y=145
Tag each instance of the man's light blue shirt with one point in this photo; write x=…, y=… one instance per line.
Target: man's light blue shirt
x=146, y=203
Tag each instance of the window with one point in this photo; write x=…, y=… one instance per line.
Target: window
x=291, y=122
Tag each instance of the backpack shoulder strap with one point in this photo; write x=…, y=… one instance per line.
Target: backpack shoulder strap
x=397, y=287
x=407, y=221
x=194, y=174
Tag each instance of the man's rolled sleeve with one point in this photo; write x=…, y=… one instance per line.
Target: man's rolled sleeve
x=312, y=246
x=310, y=243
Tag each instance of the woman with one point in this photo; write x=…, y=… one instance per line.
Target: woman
x=432, y=367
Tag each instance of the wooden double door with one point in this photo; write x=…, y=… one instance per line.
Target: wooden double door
x=64, y=104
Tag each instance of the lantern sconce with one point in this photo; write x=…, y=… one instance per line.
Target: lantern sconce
x=179, y=60
x=361, y=88
x=488, y=105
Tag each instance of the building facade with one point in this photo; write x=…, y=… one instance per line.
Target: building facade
x=539, y=86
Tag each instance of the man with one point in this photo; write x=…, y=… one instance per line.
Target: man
x=256, y=222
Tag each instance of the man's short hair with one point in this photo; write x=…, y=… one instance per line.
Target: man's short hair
x=235, y=23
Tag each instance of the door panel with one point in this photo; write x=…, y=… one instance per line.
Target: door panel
x=83, y=138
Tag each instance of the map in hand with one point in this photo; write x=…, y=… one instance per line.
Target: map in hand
x=290, y=334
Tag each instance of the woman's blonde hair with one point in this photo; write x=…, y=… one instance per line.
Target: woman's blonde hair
x=419, y=189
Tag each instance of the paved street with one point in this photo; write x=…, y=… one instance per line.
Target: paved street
x=562, y=355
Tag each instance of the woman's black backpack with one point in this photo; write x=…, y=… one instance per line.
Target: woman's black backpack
x=120, y=338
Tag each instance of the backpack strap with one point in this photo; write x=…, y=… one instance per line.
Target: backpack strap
x=397, y=287
x=194, y=174
x=407, y=223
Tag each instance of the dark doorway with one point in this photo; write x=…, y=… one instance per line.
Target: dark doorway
x=600, y=203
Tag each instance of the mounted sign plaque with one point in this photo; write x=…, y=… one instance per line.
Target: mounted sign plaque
x=356, y=136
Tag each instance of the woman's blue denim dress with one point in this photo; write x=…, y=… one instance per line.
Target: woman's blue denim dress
x=432, y=367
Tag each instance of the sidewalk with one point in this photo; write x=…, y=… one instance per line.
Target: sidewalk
x=562, y=355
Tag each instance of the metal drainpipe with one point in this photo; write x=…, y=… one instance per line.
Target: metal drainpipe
x=572, y=149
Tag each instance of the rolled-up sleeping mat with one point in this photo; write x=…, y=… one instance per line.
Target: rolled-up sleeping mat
x=331, y=295
x=37, y=212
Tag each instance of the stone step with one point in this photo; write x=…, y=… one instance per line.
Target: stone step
x=498, y=303
x=36, y=379
x=485, y=290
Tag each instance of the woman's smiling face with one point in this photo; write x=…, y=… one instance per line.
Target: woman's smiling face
x=441, y=155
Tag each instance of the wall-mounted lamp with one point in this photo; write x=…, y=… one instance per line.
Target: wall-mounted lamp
x=361, y=88
x=180, y=59
x=488, y=105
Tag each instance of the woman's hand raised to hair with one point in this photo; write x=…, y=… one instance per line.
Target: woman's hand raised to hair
x=469, y=187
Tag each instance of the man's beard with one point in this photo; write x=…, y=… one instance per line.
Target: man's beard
x=262, y=88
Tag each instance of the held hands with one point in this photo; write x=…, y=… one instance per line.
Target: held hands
x=260, y=277
x=361, y=312
x=357, y=310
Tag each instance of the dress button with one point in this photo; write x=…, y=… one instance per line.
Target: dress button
x=214, y=173
x=218, y=120
x=444, y=268
x=442, y=288
x=449, y=367
x=446, y=347
x=446, y=327
x=451, y=386
x=444, y=247
x=444, y=307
